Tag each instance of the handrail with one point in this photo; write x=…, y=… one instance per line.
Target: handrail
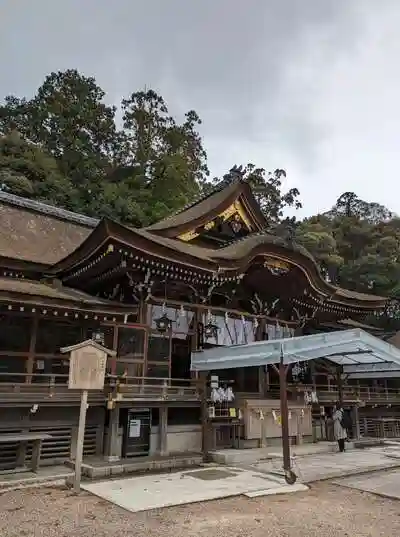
x=348, y=391
x=110, y=380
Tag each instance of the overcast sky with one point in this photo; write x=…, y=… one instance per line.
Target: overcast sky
x=312, y=86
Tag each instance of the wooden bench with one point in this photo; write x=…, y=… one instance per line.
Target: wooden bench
x=22, y=439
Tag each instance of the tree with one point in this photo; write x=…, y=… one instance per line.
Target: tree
x=317, y=236
x=28, y=171
x=350, y=205
x=167, y=158
x=143, y=172
x=267, y=189
x=68, y=119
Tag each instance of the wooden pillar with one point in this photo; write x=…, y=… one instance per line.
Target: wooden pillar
x=241, y=379
x=356, y=423
x=263, y=379
x=263, y=429
x=340, y=384
x=143, y=312
x=36, y=451
x=262, y=388
x=313, y=375
x=32, y=345
x=205, y=421
x=113, y=359
x=163, y=429
x=113, y=448
x=299, y=436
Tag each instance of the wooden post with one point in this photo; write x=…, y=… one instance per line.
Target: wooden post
x=163, y=430
x=261, y=381
x=299, y=436
x=113, y=359
x=356, y=426
x=263, y=430
x=290, y=476
x=205, y=421
x=37, y=448
x=80, y=441
x=284, y=414
x=340, y=384
x=87, y=370
x=31, y=354
x=313, y=376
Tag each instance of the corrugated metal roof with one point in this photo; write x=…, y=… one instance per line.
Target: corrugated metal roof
x=345, y=347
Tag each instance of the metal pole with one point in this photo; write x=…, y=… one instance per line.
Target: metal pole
x=79, y=442
x=290, y=477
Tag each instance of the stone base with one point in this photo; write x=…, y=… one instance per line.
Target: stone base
x=99, y=468
x=112, y=458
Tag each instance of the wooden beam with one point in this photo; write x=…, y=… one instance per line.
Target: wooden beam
x=31, y=352
x=163, y=430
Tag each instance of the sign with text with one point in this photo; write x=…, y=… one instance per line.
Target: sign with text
x=87, y=368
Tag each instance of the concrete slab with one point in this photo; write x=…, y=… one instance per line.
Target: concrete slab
x=385, y=484
x=156, y=491
x=246, y=456
x=288, y=489
x=332, y=465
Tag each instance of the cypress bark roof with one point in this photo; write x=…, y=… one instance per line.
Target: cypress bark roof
x=39, y=233
x=58, y=240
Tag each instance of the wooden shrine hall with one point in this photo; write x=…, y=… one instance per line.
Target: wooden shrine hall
x=213, y=274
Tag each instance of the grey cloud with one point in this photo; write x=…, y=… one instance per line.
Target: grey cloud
x=259, y=73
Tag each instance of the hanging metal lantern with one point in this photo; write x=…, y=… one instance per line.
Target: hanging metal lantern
x=211, y=330
x=98, y=336
x=296, y=371
x=163, y=323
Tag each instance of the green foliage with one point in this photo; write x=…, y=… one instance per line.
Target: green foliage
x=267, y=189
x=63, y=146
x=357, y=244
x=137, y=174
x=26, y=170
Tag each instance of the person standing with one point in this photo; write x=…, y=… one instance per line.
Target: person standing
x=339, y=431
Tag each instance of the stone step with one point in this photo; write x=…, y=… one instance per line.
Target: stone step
x=20, y=481
x=252, y=455
x=101, y=468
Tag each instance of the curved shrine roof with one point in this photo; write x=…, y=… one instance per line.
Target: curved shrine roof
x=38, y=233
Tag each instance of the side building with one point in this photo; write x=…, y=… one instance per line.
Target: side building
x=208, y=275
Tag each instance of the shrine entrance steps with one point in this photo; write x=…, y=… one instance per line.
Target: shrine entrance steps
x=45, y=476
x=252, y=455
x=99, y=467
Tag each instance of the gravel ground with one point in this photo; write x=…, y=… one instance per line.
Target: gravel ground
x=324, y=511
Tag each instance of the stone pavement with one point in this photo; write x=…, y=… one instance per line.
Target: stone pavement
x=249, y=456
x=382, y=483
x=147, y=492
x=331, y=465
x=156, y=491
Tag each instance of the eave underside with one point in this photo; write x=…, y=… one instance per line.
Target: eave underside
x=18, y=293
x=118, y=249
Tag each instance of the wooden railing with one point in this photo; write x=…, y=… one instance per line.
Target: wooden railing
x=127, y=388
x=39, y=388
x=327, y=393
x=25, y=389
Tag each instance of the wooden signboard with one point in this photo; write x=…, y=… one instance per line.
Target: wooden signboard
x=87, y=366
x=87, y=371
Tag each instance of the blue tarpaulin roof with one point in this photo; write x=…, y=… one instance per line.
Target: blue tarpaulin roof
x=346, y=348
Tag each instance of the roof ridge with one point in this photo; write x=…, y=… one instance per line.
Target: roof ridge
x=49, y=210
x=227, y=180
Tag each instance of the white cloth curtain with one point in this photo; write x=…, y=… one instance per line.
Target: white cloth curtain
x=231, y=330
